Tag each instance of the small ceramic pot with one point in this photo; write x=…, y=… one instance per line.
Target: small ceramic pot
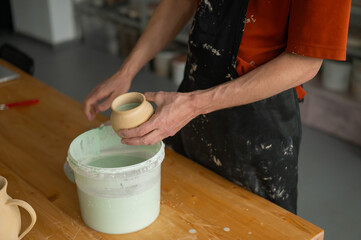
x=130, y=110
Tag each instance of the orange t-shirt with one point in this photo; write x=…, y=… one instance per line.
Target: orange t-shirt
x=304, y=27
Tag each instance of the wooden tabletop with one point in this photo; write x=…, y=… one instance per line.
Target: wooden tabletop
x=33, y=147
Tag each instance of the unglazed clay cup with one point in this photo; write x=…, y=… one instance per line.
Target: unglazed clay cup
x=130, y=110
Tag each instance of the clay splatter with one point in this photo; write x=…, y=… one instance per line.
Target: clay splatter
x=192, y=231
x=208, y=4
x=263, y=146
x=229, y=76
x=288, y=150
x=193, y=68
x=287, y=146
x=217, y=161
x=252, y=18
x=280, y=193
x=204, y=118
x=212, y=49
x=226, y=229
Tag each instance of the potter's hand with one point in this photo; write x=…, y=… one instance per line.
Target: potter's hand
x=109, y=89
x=174, y=111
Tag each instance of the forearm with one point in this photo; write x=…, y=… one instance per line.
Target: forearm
x=282, y=73
x=166, y=22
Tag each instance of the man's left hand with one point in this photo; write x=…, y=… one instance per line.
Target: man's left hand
x=174, y=111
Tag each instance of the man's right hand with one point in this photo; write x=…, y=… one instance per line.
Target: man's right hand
x=102, y=96
x=162, y=28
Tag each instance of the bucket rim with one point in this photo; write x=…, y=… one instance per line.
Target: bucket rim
x=137, y=166
x=147, y=165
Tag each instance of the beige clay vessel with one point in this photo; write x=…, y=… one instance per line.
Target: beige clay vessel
x=133, y=117
x=10, y=221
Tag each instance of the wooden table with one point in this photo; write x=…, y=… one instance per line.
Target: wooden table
x=33, y=144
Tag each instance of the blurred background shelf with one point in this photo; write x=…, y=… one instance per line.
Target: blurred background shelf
x=355, y=52
x=107, y=13
x=132, y=14
x=335, y=113
x=356, y=8
x=182, y=38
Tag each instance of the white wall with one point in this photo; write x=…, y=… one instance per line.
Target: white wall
x=51, y=21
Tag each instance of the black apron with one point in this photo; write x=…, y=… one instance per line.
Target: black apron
x=255, y=145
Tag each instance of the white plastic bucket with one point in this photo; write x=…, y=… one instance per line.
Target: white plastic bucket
x=123, y=197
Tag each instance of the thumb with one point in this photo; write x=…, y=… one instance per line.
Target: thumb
x=150, y=96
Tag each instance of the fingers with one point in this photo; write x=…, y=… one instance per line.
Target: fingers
x=91, y=102
x=117, y=84
x=140, y=131
x=107, y=103
x=93, y=112
x=90, y=110
x=90, y=105
x=149, y=139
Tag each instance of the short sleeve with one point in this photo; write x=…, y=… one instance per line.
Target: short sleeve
x=318, y=28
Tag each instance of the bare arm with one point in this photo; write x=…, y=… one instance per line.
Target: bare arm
x=175, y=110
x=284, y=72
x=167, y=20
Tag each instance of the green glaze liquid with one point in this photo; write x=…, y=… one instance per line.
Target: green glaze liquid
x=120, y=215
x=115, y=161
x=128, y=106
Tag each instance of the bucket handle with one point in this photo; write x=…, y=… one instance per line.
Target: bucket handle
x=69, y=173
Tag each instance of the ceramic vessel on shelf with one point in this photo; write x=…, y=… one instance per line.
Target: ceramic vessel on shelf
x=162, y=63
x=130, y=110
x=10, y=220
x=336, y=75
x=178, y=66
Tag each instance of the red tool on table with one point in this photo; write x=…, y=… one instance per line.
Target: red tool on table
x=15, y=104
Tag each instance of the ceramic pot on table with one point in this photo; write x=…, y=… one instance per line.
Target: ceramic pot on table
x=10, y=220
